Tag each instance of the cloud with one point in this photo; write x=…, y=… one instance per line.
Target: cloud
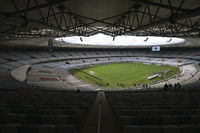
x=101, y=39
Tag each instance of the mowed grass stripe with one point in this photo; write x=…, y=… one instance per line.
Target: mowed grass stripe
x=135, y=73
x=126, y=73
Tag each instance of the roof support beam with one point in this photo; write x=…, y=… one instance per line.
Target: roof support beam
x=37, y=7
x=160, y=5
x=33, y=23
x=96, y=20
x=173, y=18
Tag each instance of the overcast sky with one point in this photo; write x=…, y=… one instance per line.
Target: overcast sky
x=101, y=39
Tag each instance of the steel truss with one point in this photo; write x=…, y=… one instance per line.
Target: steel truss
x=56, y=21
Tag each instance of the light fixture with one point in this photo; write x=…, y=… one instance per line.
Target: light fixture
x=81, y=39
x=169, y=40
x=146, y=39
x=113, y=38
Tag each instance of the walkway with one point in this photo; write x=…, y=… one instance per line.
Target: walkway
x=100, y=118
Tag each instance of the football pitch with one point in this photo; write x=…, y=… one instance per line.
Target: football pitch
x=123, y=75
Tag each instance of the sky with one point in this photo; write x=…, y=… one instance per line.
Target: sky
x=101, y=39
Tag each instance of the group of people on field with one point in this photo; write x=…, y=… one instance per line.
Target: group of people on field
x=170, y=86
x=121, y=84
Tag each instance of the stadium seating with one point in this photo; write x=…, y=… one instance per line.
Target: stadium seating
x=43, y=111
x=28, y=108
x=158, y=111
x=12, y=59
x=37, y=58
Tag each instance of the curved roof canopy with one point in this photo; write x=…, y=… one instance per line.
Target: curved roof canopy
x=56, y=18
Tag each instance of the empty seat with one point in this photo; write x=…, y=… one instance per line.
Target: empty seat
x=28, y=129
x=172, y=129
x=132, y=129
x=195, y=120
x=142, y=129
x=190, y=129
x=140, y=120
x=66, y=129
x=33, y=119
x=175, y=120
x=10, y=128
x=152, y=129
x=46, y=129
x=61, y=119
x=12, y=118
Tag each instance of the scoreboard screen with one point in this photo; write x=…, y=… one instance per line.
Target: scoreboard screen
x=156, y=48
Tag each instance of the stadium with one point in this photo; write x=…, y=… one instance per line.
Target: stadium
x=99, y=66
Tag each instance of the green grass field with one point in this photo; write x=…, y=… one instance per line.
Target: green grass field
x=121, y=75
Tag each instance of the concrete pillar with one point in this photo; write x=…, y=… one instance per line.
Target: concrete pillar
x=50, y=45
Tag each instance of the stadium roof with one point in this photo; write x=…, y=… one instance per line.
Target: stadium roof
x=57, y=18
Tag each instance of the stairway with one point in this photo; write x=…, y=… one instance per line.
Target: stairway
x=100, y=118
